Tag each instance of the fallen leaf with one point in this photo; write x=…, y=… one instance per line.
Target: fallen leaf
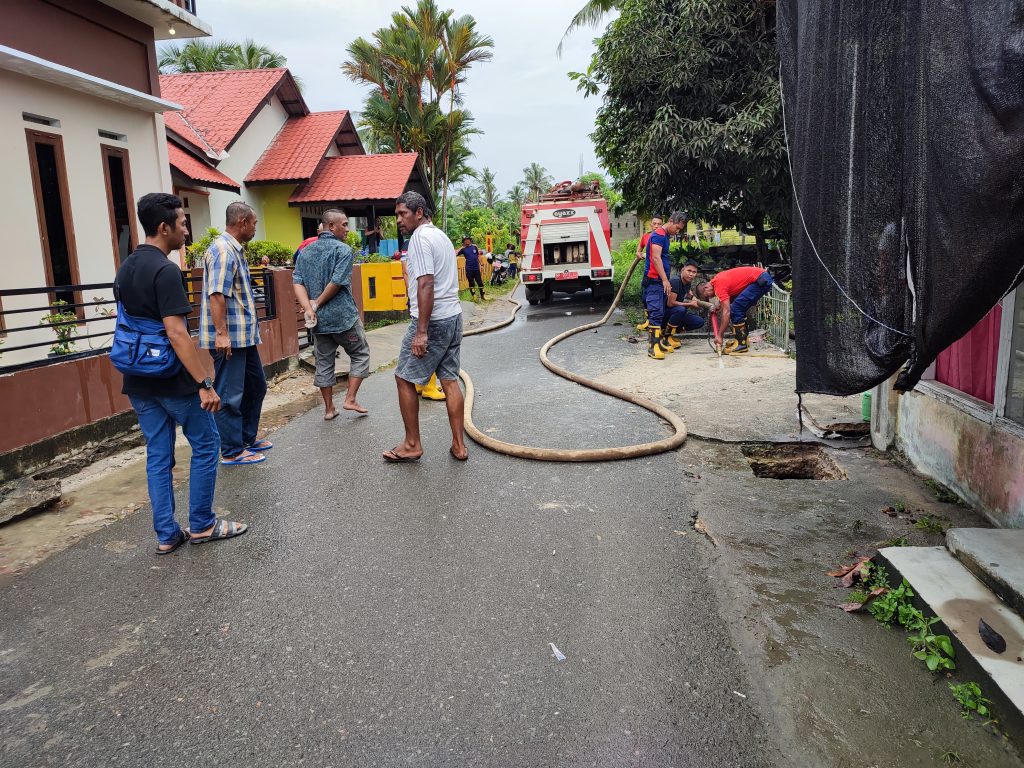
x=852, y=607
x=890, y=511
x=991, y=638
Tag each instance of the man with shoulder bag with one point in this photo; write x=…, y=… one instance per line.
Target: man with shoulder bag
x=178, y=388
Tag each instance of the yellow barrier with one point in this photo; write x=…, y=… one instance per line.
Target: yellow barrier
x=383, y=289
x=485, y=272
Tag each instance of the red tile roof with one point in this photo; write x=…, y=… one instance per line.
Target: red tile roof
x=217, y=105
x=298, y=148
x=358, y=177
x=198, y=171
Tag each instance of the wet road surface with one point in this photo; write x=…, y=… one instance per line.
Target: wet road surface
x=380, y=615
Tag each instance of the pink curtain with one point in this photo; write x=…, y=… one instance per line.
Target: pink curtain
x=969, y=365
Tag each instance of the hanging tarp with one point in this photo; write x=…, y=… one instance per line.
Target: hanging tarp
x=905, y=124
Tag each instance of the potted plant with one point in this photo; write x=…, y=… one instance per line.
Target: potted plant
x=64, y=324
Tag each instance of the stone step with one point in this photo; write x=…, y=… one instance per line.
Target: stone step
x=959, y=599
x=994, y=555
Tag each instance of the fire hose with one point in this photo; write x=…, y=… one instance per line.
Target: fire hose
x=578, y=454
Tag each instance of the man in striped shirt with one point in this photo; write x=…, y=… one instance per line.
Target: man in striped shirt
x=228, y=327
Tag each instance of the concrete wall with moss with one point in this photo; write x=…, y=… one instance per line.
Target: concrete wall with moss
x=978, y=460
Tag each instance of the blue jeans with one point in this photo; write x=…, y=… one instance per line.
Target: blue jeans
x=681, y=317
x=655, y=300
x=748, y=298
x=242, y=385
x=158, y=419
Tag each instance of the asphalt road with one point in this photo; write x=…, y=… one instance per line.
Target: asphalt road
x=380, y=615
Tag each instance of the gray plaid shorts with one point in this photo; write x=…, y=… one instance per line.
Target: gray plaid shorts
x=444, y=344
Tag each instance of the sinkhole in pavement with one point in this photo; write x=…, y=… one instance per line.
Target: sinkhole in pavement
x=792, y=461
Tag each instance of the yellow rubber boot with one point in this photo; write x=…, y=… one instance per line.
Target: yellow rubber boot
x=646, y=324
x=431, y=390
x=663, y=341
x=671, y=339
x=654, y=349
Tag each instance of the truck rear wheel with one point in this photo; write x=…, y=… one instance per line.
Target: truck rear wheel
x=534, y=295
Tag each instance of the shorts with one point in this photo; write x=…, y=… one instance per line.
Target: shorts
x=474, y=278
x=325, y=348
x=444, y=345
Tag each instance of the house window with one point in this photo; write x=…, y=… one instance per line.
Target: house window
x=117, y=175
x=969, y=364
x=53, y=211
x=1015, y=380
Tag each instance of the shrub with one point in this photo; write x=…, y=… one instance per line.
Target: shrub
x=194, y=253
x=354, y=240
x=280, y=255
x=65, y=344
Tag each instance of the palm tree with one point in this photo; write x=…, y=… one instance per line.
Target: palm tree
x=414, y=66
x=248, y=55
x=218, y=56
x=516, y=195
x=488, y=188
x=196, y=56
x=468, y=197
x=536, y=180
x=589, y=15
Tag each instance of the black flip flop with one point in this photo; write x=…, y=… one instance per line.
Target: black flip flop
x=221, y=531
x=181, y=539
x=396, y=459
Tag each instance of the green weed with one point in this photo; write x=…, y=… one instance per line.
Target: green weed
x=943, y=494
x=970, y=698
x=936, y=651
x=931, y=524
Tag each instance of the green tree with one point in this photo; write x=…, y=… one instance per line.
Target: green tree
x=415, y=68
x=468, y=197
x=612, y=195
x=589, y=15
x=516, y=195
x=217, y=56
x=536, y=180
x=690, y=116
x=488, y=188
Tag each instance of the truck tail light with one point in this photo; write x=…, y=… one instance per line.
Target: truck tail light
x=532, y=278
x=601, y=273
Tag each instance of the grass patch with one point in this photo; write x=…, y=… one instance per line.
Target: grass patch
x=622, y=259
x=490, y=291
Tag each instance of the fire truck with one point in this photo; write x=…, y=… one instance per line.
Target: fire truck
x=566, y=243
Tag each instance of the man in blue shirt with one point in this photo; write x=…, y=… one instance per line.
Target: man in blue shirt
x=324, y=269
x=659, y=287
x=472, y=254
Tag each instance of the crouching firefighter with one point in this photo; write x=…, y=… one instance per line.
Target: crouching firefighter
x=659, y=287
x=737, y=290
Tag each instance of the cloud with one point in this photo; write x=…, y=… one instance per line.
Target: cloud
x=523, y=100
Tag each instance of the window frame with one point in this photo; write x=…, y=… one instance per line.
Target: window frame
x=106, y=150
x=34, y=137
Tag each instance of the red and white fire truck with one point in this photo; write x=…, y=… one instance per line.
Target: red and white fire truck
x=566, y=243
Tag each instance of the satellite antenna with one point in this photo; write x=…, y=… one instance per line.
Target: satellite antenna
x=580, y=174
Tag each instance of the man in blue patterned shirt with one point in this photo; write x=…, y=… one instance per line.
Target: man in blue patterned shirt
x=323, y=287
x=228, y=327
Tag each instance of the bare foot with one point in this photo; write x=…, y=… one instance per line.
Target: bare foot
x=354, y=406
x=461, y=453
x=332, y=414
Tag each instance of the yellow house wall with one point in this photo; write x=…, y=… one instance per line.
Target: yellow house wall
x=279, y=221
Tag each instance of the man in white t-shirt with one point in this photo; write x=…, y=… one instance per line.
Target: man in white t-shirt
x=434, y=339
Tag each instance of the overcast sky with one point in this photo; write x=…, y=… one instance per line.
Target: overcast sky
x=523, y=100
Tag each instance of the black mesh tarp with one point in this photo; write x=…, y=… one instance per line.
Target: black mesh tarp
x=905, y=122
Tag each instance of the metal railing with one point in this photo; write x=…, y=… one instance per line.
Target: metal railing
x=23, y=328
x=773, y=314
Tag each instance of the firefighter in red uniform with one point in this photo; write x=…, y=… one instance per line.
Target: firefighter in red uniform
x=738, y=290
x=641, y=251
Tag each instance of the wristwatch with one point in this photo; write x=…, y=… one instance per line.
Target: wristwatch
x=206, y=383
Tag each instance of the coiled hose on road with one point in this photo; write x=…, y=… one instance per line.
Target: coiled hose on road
x=577, y=454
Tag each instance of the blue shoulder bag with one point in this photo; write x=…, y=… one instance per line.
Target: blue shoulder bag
x=141, y=347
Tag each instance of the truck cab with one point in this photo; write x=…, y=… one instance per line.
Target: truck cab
x=566, y=243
